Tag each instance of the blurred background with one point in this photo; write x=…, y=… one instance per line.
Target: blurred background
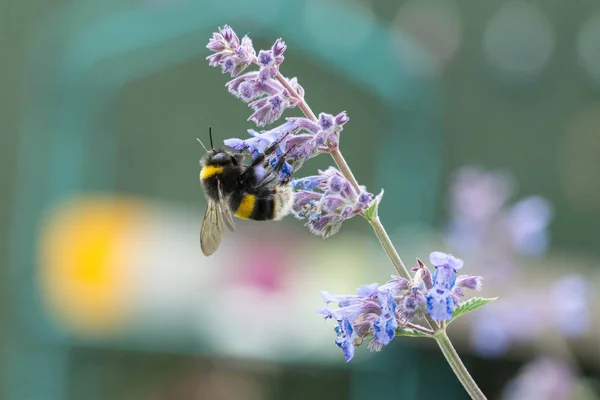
x=480, y=119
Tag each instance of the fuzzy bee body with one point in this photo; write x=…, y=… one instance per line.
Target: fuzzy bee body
x=233, y=188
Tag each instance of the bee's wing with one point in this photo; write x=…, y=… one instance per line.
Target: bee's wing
x=226, y=212
x=212, y=230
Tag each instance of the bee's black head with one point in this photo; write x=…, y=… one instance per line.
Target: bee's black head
x=222, y=158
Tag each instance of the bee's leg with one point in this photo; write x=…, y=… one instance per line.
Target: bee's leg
x=281, y=160
x=261, y=157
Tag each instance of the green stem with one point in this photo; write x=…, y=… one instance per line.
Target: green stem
x=457, y=366
x=389, y=248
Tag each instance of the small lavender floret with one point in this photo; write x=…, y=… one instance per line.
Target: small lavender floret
x=306, y=183
x=336, y=184
x=365, y=199
x=386, y=325
x=326, y=121
x=265, y=58
x=341, y=119
x=469, y=282
x=278, y=48
x=344, y=339
x=268, y=109
x=305, y=123
x=413, y=304
x=443, y=297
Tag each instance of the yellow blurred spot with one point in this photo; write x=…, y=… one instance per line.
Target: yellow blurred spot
x=85, y=263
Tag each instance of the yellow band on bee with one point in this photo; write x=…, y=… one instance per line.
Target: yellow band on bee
x=246, y=206
x=209, y=171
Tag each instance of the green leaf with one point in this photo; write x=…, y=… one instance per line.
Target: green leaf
x=371, y=212
x=470, y=305
x=405, y=331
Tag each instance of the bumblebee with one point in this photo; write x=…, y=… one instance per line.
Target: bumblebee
x=234, y=188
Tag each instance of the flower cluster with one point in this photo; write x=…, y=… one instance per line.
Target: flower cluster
x=326, y=200
x=494, y=232
x=379, y=311
x=230, y=54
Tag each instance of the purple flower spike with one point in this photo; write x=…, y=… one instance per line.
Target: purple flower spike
x=230, y=54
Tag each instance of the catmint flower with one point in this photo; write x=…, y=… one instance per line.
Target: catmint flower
x=307, y=183
x=364, y=200
x=337, y=183
x=413, y=304
x=305, y=123
x=268, y=109
x=337, y=202
x=340, y=120
x=423, y=275
x=265, y=58
x=278, y=49
x=230, y=54
x=326, y=121
x=440, y=304
x=345, y=339
x=386, y=325
x=379, y=310
x=269, y=94
x=370, y=312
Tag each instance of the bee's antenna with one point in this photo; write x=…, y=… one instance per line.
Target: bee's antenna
x=202, y=144
x=210, y=135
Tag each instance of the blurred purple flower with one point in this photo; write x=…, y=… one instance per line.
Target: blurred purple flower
x=571, y=298
x=528, y=220
x=526, y=314
x=542, y=379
